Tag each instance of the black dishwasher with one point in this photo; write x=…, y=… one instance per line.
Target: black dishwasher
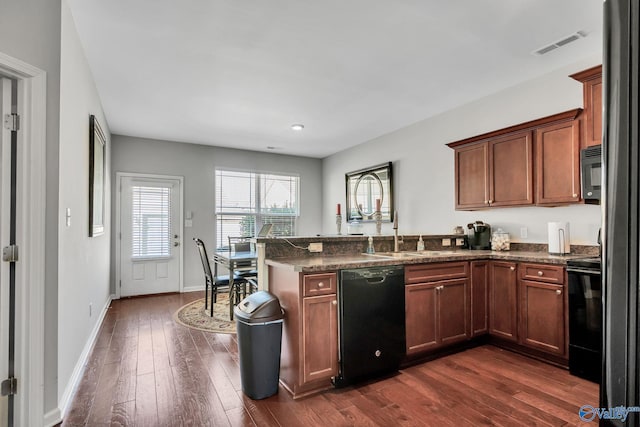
x=371, y=322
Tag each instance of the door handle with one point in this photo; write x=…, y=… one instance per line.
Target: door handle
x=176, y=243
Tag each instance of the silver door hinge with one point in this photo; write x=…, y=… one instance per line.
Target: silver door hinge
x=120, y=283
x=10, y=253
x=12, y=122
x=9, y=387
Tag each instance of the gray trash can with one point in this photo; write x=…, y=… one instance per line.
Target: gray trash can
x=259, y=328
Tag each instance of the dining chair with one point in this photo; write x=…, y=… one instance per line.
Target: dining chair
x=214, y=282
x=248, y=272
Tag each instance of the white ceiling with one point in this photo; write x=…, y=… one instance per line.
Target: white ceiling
x=239, y=73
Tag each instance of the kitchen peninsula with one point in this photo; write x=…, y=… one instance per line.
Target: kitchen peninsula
x=454, y=299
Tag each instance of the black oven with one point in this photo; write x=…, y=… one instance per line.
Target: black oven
x=591, y=176
x=585, y=318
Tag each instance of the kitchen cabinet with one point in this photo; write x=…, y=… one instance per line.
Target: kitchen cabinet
x=499, y=169
x=309, y=357
x=436, y=305
x=591, y=80
x=472, y=176
x=479, y=297
x=558, y=163
x=497, y=172
x=543, y=308
x=503, y=303
x=511, y=170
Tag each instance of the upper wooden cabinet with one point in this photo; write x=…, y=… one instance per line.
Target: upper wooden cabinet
x=592, y=118
x=497, y=168
x=558, y=163
x=496, y=172
x=511, y=170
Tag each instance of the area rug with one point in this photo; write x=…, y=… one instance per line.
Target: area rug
x=193, y=315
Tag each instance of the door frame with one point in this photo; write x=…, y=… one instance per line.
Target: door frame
x=30, y=236
x=118, y=230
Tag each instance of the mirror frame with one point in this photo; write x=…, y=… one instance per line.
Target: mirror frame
x=352, y=179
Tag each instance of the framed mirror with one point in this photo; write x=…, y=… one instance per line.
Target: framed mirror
x=368, y=189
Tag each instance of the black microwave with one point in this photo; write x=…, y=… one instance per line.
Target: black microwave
x=591, y=176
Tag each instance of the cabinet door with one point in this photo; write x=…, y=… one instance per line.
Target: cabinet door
x=511, y=170
x=453, y=311
x=479, y=297
x=320, y=338
x=503, y=315
x=421, y=317
x=542, y=308
x=558, y=163
x=472, y=176
x=593, y=111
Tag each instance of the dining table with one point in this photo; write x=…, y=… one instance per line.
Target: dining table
x=235, y=262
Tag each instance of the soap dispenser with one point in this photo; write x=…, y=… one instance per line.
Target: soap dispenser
x=420, y=244
x=370, y=249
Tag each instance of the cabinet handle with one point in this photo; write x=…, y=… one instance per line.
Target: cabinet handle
x=490, y=201
x=334, y=302
x=540, y=273
x=558, y=292
x=512, y=268
x=486, y=202
x=320, y=284
x=575, y=195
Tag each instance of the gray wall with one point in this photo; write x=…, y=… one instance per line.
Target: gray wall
x=83, y=265
x=197, y=164
x=30, y=31
x=424, y=165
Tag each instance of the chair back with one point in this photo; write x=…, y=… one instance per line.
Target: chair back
x=240, y=244
x=204, y=258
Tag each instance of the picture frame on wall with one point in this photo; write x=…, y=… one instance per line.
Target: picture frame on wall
x=97, y=143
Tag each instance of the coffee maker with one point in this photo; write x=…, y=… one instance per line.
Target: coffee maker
x=479, y=235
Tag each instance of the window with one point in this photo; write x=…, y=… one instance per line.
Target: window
x=151, y=222
x=247, y=200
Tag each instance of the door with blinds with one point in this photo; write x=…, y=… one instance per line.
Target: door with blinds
x=150, y=253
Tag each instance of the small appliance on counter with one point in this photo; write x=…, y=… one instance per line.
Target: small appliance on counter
x=559, y=238
x=479, y=235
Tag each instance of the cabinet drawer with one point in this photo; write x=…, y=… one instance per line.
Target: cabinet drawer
x=437, y=271
x=319, y=284
x=542, y=273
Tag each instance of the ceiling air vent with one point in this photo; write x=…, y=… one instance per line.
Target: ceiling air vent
x=559, y=43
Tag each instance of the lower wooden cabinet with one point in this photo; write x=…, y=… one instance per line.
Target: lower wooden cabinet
x=437, y=314
x=503, y=303
x=543, y=314
x=320, y=336
x=479, y=291
x=309, y=357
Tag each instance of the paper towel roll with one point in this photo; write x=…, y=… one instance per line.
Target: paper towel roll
x=559, y=238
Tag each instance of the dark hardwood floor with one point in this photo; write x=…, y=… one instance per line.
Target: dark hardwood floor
x=146, y=370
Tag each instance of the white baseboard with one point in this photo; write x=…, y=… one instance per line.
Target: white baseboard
x=52, y=417
x=76, y=376
x=193, y=288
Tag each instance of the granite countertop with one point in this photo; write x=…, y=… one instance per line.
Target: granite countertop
x=339, y=262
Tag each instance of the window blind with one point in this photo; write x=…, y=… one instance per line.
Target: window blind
x=247, y=200
x=151, y=222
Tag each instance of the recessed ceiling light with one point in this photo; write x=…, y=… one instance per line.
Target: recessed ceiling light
x=297, y=126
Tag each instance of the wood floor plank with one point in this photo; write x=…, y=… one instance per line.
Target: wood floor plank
x=145, y=369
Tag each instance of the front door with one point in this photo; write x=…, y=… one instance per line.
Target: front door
x=150, y=252
x=7, y=238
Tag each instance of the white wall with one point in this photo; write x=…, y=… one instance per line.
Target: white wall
x=83, y=265
x=424, y=165
x=197, y=164
x=30, y=31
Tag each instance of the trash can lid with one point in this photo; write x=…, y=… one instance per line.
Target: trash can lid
x=258, y=307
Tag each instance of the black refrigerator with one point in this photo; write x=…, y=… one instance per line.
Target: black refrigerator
x=621, y=206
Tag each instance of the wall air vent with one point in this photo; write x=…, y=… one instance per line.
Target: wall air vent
x=559, y=43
